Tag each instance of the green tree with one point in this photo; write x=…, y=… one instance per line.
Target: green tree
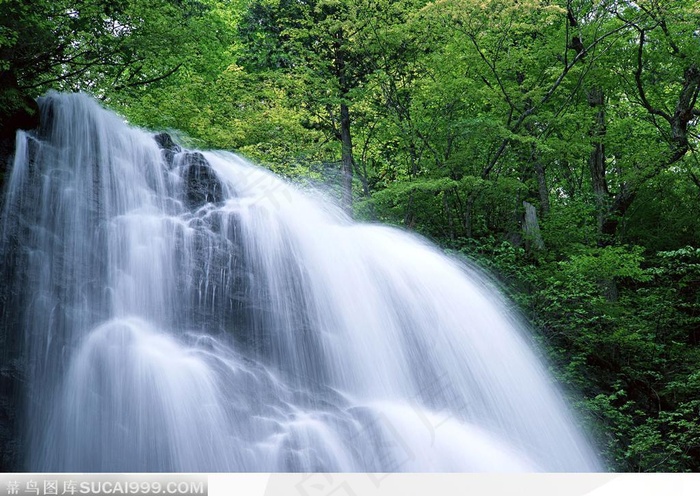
x=323, y=52
x=102, y=47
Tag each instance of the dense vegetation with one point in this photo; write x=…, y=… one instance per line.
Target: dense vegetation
x=554, y=142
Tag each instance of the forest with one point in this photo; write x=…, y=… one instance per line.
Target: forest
x=553, y=142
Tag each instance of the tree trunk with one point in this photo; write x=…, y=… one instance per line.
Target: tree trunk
x=542, y=187
x=617, y=210
x=347, y=158
x=678, y=146
x=596, y=160
x=408, y=218
x=448, y=214
x=345, y=136
x=468, y=212
x=414, y=158
x=534, y=168
x=684, y=113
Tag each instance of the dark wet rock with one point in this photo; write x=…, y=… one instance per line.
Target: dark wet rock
x=202, y=186
x=168, y=146
x=10, y=394
x=12, y=387
x=165, y=141
x=17, y=112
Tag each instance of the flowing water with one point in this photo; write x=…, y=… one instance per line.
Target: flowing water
x=193, y=312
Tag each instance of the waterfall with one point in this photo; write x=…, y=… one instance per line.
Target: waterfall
x=189, y=311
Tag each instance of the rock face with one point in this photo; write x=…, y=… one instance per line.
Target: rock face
x=202, y=186
x=168, y=146
x=17, y=112
x=10, y=394
x=12, y=383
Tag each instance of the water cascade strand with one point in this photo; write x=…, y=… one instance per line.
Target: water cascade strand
x=189, y=311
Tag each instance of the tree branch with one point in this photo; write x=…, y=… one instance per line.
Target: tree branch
x=492, y=67
x=152, y=80
x=555, y=85
x=638, y=79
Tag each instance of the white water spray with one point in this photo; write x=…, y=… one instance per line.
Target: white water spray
x=193, y=312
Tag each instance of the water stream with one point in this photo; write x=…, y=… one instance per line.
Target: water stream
x=186, y=311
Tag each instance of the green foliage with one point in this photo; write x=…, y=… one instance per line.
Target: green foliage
x=665, y=216
x=635, y=356
x=609, y=262
x=568, y=225
x=96, y=45
x=12, y=101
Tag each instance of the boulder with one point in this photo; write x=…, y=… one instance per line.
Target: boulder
x=17, y=111
x=202, y=185
x=168, y=147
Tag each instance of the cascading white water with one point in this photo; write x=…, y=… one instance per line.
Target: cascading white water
x=193, y=312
